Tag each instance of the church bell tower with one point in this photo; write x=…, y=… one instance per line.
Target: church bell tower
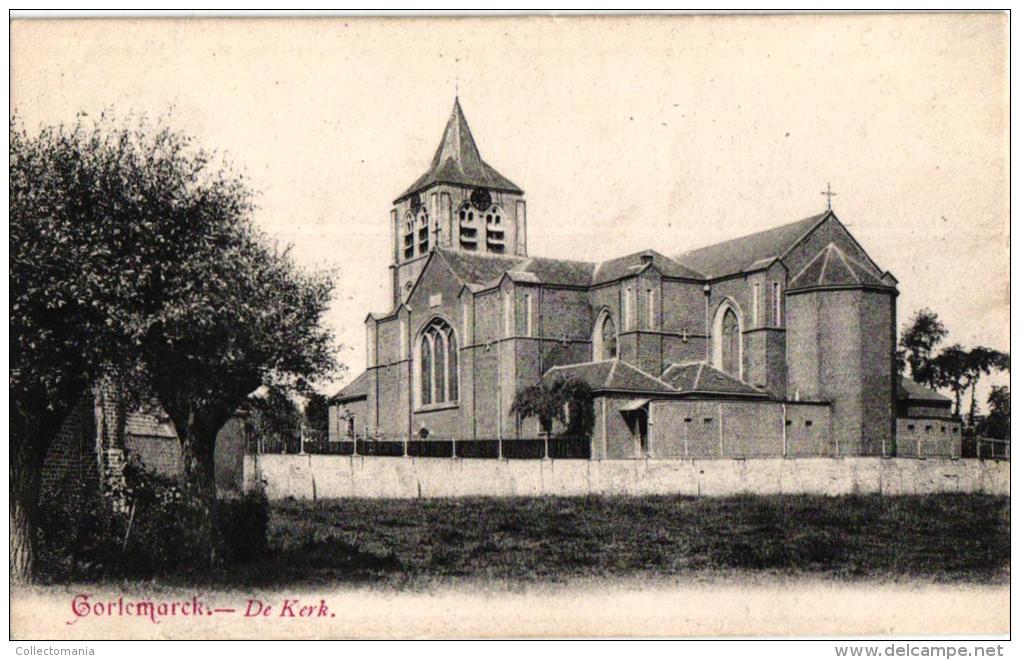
x=461, y=203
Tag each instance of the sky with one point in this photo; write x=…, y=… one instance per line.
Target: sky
x=625, y=133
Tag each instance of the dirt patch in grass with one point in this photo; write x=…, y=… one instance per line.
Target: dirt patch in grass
x=409, y=543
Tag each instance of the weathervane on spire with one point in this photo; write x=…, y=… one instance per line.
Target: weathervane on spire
x=828, y=195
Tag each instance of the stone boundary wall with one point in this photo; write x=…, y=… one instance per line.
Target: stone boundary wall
x=321, y=476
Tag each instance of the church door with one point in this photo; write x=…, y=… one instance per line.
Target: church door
x=730, y=343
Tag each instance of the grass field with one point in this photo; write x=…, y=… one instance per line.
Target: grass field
x=941, y=538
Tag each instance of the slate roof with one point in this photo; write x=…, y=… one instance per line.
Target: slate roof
x=908, y=390
x=703, y=378
x=356, y=389
x=457, y=161
x=614, y=269
x=832, y=267
x=478, y=268
x=148, y=425
x=610, y=375
x=747, y=252
x=486, y=269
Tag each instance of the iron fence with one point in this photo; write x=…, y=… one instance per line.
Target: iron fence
x=341, y=448
x=992, y=448
x=525, y=448
x=478, y=448
x=381, y=447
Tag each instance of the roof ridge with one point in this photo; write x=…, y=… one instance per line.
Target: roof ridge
x=825, y=261
x=810, y=263
x=580, y=364
x=697, y=378
x=842, y=257
x=821, y=218
x=645, y=373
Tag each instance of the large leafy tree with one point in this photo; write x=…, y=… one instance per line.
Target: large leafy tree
x=981, y=361
x=918, y=339
x=133, y=255
x=950, y=369
x=996, y=425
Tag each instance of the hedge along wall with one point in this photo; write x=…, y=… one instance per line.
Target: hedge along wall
x=321, y=476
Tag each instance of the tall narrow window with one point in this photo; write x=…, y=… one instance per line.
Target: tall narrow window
x=604, y=338
x=777, y=301
x=423, y=231
x=464, y=309
x=403, y=339
x=756, y=305
x=408, y=236
x=427, y=363
x=437, y=368
x=453, y=375
x=442, y=367
x=508, y=315
x=370, y=345
x=652, y=314
x=731, y=343
x=528, y=314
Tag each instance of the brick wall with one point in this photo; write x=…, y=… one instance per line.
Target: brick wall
x=160, y=455
x=73, y=452
x=699, y=429
x=926, y=437
x=839, y=349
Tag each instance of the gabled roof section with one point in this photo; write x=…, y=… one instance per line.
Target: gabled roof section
x=477, y=268
x=631, y=264
x=457, y=161
x=908, y=390
x=615, y=375
x=356, y=389
x=749, y=252
x=703, y=378
x=832, y=267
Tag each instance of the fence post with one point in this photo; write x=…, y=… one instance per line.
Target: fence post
x=406, y=439
x=919, y=450
x=499, y=447
x=301, y=439
x=545, y=454
x=453, y=447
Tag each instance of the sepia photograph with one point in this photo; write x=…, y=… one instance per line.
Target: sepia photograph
x=460, y=327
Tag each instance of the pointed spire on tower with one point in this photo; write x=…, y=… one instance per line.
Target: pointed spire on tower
x=457, y=160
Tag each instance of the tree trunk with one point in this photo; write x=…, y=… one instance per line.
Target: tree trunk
x=22, y=540
x=973, y=402
x=30, y=439
x=198, y=445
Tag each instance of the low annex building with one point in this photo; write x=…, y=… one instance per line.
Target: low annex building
x=777, y=343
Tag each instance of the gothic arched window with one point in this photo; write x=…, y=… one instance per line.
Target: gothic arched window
x=408, y=236
x=468, y=228
x=423, y=231
x=495, y=238
x=437, y=364
x=727, y=329
x=604, y=338
x=730, y=343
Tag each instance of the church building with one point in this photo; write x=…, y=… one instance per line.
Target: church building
x=780, y=343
